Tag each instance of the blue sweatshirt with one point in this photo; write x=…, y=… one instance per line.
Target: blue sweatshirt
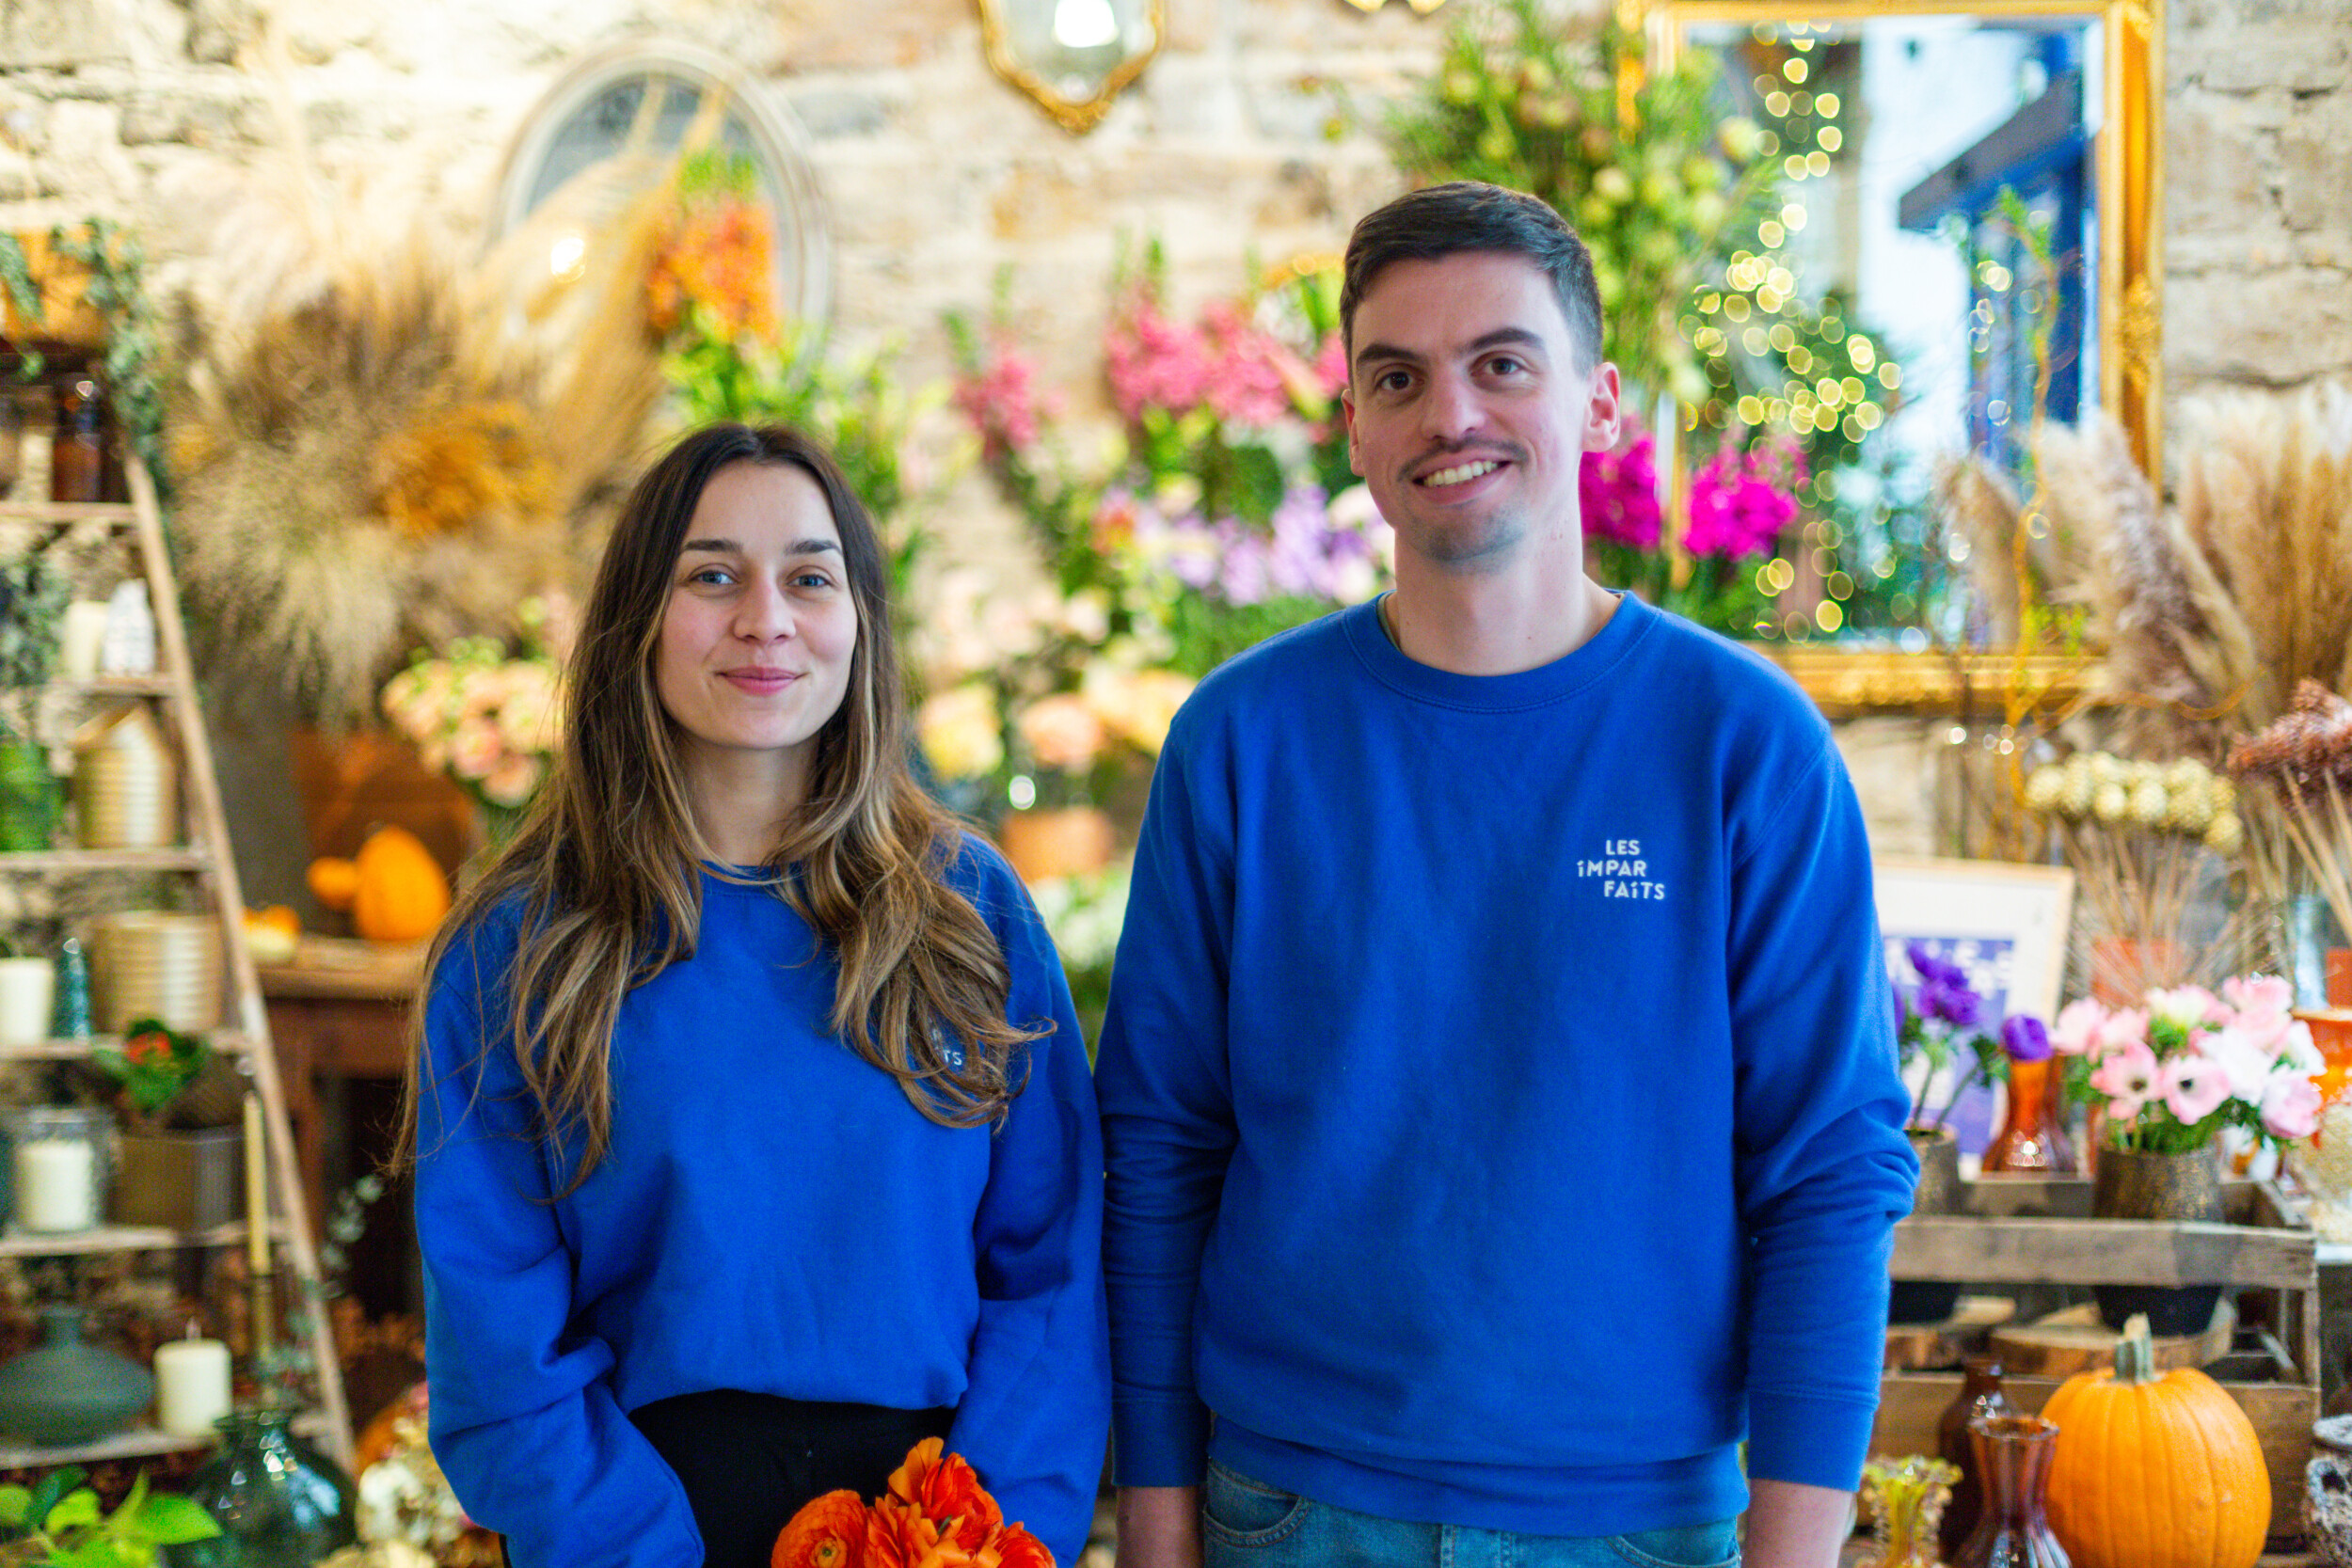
x=1498, y=1088
x=773, y=1216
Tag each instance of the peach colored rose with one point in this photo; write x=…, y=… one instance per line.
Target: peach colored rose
x=829, y=1532
x=1062, y=733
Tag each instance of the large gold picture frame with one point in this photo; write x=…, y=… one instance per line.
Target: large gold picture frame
x=2130, y=174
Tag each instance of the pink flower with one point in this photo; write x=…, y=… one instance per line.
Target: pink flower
x=2193, y=1088
x=2297, y=1051
x=2245, y=1066
x=2128, y=1071
x=2077, y=1027
x=2124, y=1108
x=476, y=749
x=1062, y=733
x=2265, y=994
x=2122, y=1030
x=1741, y=501
x=1617, y=491
x=2291, y=1106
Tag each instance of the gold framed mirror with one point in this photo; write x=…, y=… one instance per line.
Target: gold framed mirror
x=1072, y=57
x=1948, y=106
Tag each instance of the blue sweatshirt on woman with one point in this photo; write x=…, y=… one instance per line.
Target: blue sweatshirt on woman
x=773, y=1216
x=1498, y=1089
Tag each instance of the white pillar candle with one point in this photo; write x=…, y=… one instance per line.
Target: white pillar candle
x=82, y=636
x=56, y=1186
x=27, y=987
x=191, y=1386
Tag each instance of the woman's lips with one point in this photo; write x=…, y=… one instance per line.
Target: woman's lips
x=759, y=682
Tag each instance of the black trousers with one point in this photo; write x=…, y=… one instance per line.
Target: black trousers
x=750, y=1461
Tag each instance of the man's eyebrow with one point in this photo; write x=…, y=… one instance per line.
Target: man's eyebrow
x=1516, y=336
x=727, y=546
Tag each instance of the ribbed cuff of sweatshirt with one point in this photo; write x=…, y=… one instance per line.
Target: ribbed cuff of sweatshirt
x=1808, y=1439
x=1159, y=1441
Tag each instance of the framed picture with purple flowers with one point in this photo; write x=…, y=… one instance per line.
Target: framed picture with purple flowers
x=1969, y=943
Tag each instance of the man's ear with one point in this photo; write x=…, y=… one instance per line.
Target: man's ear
x=1605, y=414
x=1347, y=414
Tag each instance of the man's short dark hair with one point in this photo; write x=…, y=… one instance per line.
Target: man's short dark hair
x=1439, y=221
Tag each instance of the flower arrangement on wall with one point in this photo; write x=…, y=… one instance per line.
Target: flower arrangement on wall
x=485, y=712
x=1224, y=514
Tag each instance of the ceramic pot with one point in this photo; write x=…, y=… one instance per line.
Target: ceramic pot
x=1930, y=1300
x=278, y=1501
x=1066, y=841
x=67, y=1391
x=2135, y=1184
x=179, y=1181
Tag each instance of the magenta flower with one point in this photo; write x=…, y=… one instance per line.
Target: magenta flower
x=2194, y=1089
x=1741, y=501
x=1618, y=492
x=1003, y=404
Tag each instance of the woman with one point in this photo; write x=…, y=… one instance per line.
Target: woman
x=753, y=1131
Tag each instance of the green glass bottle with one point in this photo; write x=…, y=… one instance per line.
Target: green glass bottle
x=278, y=1501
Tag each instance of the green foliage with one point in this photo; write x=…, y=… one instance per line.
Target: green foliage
x=156, y=1064
x=61, y=1517
x=1654, y=183
x=32, y=605
x=135, y=343
x=16, y=276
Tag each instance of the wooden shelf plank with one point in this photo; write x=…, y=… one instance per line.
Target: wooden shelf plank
x=140, y=1442
x=70, y=1051
x=2100, y=1252
x=15, y=1243
x=181, y=857
x=120, y=514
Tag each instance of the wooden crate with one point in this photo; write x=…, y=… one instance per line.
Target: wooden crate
x=2026, y=1232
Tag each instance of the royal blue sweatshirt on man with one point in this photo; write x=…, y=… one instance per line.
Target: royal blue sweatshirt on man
x=1499, y=1090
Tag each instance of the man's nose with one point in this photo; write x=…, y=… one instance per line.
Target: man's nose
x=1452, y=409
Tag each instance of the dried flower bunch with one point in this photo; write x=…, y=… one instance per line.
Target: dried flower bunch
x=2297, y=772
x=2182, y=796
x=2184, y=1064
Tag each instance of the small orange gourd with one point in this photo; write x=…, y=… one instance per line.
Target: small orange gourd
x=2154, y=1472
x=393, y=887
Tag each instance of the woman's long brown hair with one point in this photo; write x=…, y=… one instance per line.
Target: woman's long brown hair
x=605, y=864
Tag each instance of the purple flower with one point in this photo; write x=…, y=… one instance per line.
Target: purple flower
x=2024, y=1038
x=1957, y=1005
x=1934, y=970
x=1618, y=493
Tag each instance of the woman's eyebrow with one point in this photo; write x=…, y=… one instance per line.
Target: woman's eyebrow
x=811, y=545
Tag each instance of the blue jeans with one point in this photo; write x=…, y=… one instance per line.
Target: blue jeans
x=1248, y=1523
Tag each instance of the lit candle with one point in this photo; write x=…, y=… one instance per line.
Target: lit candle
x=191, y=1384
x=57, y=1184
x=256, y=1189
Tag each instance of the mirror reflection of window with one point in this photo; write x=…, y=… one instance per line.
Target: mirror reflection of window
x=1899, y=136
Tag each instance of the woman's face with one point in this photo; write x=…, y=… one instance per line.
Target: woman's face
x=756, y=639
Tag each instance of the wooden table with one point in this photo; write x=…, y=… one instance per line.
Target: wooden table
x=339, y=1011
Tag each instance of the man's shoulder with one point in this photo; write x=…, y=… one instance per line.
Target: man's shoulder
x=1720, y=681
x=1275, y=671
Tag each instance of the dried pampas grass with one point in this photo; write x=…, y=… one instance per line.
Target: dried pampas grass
x=382, y=445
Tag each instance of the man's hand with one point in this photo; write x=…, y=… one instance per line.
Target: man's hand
x=1793, y=1526
x=1159, y=1526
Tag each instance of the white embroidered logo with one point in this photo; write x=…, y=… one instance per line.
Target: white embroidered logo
x=1623, y=872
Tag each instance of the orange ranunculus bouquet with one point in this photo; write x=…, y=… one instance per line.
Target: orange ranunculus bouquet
x=936, y=1515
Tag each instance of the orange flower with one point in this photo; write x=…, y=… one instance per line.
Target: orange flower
x=139, y=1048
x=1017, y=1548
x=943, y=1488
x=829, y=1532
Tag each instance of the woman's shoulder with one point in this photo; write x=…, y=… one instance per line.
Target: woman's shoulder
x=978, y=870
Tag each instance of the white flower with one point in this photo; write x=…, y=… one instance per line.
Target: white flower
x=2111, y=802
x=2045, y=786
x=2149, y=802
x=2245, y=1065
x=958, y=732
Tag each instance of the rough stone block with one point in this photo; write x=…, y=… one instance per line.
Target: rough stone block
x=60, y=33
x=841, y=111
x=2316, y=155
x=2296, y=54
x=195, y=118
x=1894, y=764
x=2278, y=327
x=821, y=35
x=2214, y=178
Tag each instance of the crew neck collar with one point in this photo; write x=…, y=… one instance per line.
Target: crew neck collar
x=1368, y=639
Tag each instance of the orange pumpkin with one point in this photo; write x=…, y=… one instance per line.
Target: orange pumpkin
x=402, y=893
x=334, y=882
x=2154, y=1472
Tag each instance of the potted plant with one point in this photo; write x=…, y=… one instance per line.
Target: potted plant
x=60, y=1521
x=2169, y=1077
x=179, y=1161
x=32, y=607
x=1939, y=1021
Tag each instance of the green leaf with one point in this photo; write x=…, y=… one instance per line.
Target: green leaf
x=52, y=1486
x=172, y=1520
x=79, y=1509
x=15, y=1504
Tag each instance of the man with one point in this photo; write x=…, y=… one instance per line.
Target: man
x=1499, y=1090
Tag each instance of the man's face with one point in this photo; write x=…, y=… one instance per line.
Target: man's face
x=1467, y=412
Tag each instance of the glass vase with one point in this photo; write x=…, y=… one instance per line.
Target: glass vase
x=279, y=1502
x=2013, y=1464
x=1904, y=1498
x=1981, y=1394
x=2032, y=1140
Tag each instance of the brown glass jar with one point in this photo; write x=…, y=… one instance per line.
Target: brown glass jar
x=1980, y=1395
x=78, y=457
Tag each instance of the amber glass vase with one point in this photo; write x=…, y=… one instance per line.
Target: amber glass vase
x=1981, y=1394
x=2013, y=1464
x=2032, y=1140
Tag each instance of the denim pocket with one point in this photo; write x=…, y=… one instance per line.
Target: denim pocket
x=1245, y=1513
x=1715, y=1545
